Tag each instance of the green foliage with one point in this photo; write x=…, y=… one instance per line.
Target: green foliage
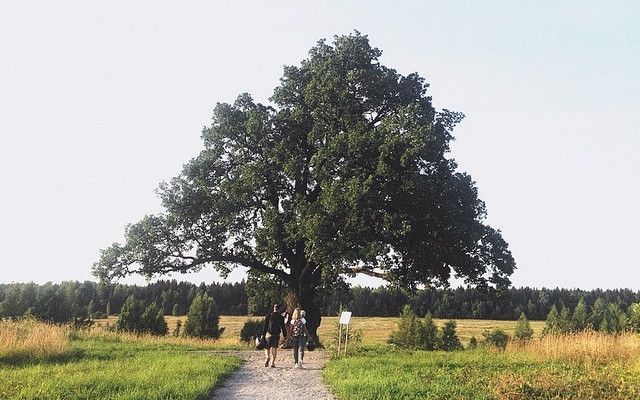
x=429, y=333
x=553, y=324
x=130, y=317
x=410, y=332
x=263, y=291
x=449, y=340
x=566, y=321
x=175, y=311
x=349, y=166
x=496, y=338
x=634, y=317
x=153, y=321
x=473, y=343
x=135, y=318
x=251, y=330
x=580, y=316
x=598, y=314
x=202, y=318
x=523, y=329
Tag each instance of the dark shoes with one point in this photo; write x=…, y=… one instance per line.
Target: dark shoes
x=266, y=363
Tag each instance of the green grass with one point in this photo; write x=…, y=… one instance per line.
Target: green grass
x=388, y=373
x=107, y=368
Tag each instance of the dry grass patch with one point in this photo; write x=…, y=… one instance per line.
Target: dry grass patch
x=32, y=339
x=590, y=347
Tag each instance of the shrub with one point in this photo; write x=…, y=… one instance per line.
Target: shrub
x=202, y=318
x=473, y=342
x=410, y=331
x=429, y=333
x=130, y=316
x=553, y=324
x=153, y=322
x=496, y=338
x=251, y=330
x=133, y=318
x=449, y=340
x=523, y=329
x=634, y=317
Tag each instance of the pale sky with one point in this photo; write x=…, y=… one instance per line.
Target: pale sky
x=101, y=101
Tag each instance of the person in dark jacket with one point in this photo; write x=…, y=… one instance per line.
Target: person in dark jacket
x=273, y=325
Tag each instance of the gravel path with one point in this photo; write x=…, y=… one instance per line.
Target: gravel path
x=255, y=381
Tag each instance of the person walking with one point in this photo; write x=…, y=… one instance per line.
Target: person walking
x=299, y=335
x=273, y=325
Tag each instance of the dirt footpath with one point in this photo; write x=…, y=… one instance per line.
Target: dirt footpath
x=255, y=381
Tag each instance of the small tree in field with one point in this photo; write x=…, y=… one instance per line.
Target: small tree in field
x=553, y=325
x=175, y=311
x=449, y=340
x=634, y=317
x=153, y=322
x=410, y=330
x=202, y=318
x=429, y=333
x=523, y=329
x=496, y=338
x=130, y=316
x=580, y=316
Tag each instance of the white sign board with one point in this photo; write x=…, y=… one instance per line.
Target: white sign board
x=345, y=317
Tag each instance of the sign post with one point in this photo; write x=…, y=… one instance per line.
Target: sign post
x=345, y=317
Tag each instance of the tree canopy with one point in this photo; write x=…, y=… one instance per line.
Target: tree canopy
x=345, y=172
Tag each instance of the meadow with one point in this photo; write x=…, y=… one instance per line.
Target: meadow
x=52, y=362
x=104, y=365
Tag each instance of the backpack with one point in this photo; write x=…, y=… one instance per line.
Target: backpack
x=297, y=328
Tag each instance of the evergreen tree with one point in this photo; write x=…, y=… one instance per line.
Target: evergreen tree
x=429, y=333
x=108, y=309
x=130, y=316
x=523, y=329
x=598, y=314
x=410, y=330
x=202, y=318
x=176, y=310
x=449, y=340
x=566, y=321
x=634, y=317
x=580, y=316
x=153, y=322
x=553, y=324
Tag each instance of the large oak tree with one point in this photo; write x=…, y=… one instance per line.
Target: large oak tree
x=346, y=172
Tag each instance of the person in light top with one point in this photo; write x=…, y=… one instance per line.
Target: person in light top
x=299, y=336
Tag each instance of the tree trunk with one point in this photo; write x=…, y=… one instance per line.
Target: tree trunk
x=304, y=299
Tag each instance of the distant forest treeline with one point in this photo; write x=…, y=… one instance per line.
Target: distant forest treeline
x=67, y=300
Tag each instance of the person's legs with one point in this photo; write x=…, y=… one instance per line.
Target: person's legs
x=295, y=346
x=274, y=353
x=303, y=344
x=266, y=354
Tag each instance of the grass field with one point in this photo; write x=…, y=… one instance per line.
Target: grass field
x=110, y=366
x=479, y=375
x=376, y=330
x=48, y=362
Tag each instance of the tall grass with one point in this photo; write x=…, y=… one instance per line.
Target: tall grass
x=32, y=339
x=590, y=347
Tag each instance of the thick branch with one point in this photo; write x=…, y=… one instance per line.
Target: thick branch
x=365, y=271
